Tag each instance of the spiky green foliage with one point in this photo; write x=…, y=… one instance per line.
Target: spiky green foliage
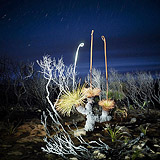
x=117, y=133
x=143, y=129
x=114, y=133
x=69, y=100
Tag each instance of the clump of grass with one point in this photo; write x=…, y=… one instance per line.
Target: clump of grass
x=117, y=133
x=144, y=129
x=69, y=100
x=107, y=104
x=114, y=133
x=89, y=92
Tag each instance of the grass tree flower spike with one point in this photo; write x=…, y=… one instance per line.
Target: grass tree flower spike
x=106, y=104
x=75, y=62
x=105, y=53
x=91, y=59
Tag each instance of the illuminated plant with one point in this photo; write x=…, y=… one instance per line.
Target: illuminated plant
x=106, y=104
x=68, y=100
x=105, y=53
x=57, y=73
x=92, y=118
x=89, y=92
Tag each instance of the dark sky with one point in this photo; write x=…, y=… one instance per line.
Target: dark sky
x=30, y=29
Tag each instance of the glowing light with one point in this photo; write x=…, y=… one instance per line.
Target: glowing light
x=75, y=62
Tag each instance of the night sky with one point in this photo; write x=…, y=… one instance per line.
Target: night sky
x=30, y=29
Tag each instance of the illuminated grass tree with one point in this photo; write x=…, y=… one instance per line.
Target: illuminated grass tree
x=106, y=104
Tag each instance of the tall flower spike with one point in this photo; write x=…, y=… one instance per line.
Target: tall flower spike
x=103, y=38
x=91, y=59
x=75, y=62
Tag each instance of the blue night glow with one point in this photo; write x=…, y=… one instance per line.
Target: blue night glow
x=31, y=29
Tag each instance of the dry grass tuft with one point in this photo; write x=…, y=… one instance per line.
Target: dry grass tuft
x=106, y=104
x=70, y=100
x=89, y=92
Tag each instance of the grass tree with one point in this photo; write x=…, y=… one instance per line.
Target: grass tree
x=106, y=104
